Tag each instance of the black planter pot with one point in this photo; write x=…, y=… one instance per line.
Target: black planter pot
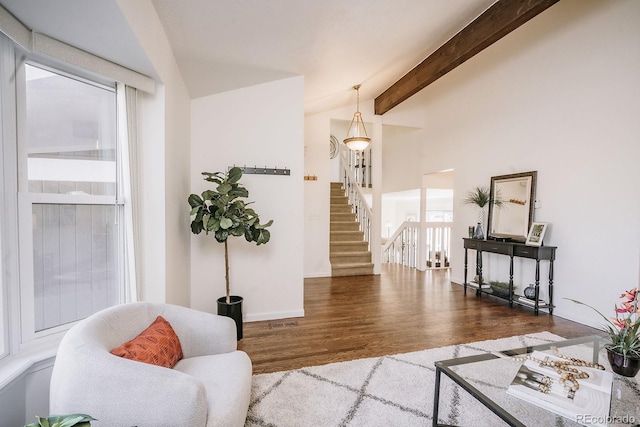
x=232, y=309
x=625, y=366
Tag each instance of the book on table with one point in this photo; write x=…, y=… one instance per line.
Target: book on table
x=531, y=302
x=588, y=405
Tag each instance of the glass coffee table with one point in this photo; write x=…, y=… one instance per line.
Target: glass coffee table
x=486, y=377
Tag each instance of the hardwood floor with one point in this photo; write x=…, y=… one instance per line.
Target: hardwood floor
x=399, y=311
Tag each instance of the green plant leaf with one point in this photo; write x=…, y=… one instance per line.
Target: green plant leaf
x=261, y=226
x=234, y=175
x=208, y=195
x=196, y=227
x=213, y=224
x=195, y=200
x=262, y=237
x=224, y=188
x=222, y=235
x=225, y=223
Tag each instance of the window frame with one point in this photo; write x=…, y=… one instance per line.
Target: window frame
x=17, y=304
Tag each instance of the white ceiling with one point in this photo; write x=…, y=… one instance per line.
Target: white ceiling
x=222, y=45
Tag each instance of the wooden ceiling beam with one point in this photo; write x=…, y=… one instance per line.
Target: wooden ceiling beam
x=496, y=22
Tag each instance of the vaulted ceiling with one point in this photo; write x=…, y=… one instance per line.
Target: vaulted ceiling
x=221, y=45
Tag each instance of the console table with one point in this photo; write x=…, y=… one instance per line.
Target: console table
x=512, y=249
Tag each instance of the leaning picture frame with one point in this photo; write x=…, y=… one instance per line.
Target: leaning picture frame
x=536, y=234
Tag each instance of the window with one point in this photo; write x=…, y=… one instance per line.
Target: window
x=62, y=229
x=71, y=250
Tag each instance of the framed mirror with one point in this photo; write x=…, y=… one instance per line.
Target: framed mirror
x=511, y=217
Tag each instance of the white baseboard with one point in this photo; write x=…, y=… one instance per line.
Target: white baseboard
x=315, y=275
x=274, y=315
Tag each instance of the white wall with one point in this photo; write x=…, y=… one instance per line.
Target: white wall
x=559, y=95
x=255, y=126
x=317, y=130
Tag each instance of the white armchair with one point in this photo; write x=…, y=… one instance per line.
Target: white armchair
x=210, y=386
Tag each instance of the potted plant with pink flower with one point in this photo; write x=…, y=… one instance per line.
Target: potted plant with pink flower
x=623, y=351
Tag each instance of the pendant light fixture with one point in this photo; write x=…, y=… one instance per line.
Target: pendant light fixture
x=357, y=139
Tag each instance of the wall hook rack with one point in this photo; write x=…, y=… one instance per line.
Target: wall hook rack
x=263, y=171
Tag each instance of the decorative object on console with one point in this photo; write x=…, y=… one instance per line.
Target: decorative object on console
x=478, y=233
x=500, y=288
x=513, y=220
x=224, y=213
x=481, y=197
x=624, y=349
x=536, y=234
x=530, y=292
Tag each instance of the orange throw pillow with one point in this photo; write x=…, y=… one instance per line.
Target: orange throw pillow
x=157, y=345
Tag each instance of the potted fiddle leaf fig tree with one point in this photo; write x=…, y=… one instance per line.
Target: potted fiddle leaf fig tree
x=224, y=212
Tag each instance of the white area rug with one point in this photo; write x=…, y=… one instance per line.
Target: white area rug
x=385, y=391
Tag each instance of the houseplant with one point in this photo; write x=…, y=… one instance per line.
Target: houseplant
x=224, y=213
x=623, y=351
x=480, y=197
x=76, y=420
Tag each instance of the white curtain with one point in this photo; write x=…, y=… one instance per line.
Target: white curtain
x=127, y=111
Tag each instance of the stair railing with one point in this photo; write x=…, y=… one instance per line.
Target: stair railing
x=402, y=247
x=354, y=192
x=360, y=163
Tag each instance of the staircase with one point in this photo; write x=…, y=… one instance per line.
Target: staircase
x=349, y=253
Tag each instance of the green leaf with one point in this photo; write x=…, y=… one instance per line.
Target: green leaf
x=237, y=231
x=196, y=227
x=222, y=235
x=213, y=224
x=68, y=421
x=239, y=192
x=261, y=226
x=209, y=195
x=262, y=237
x=224, y=188
x=225, y=223
x=195, y=200
x=234, y=175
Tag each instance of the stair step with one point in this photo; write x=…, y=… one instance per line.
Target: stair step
x=340, y=209
x=341, y=258
x=339, y=200
x=355, y=269
x=336, y=185
x=343, y=217
x=346, y=236
x=344, y=226
x=348, y=246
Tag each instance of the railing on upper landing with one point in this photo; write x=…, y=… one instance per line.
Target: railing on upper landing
x=356, y=175
x=403, y=246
